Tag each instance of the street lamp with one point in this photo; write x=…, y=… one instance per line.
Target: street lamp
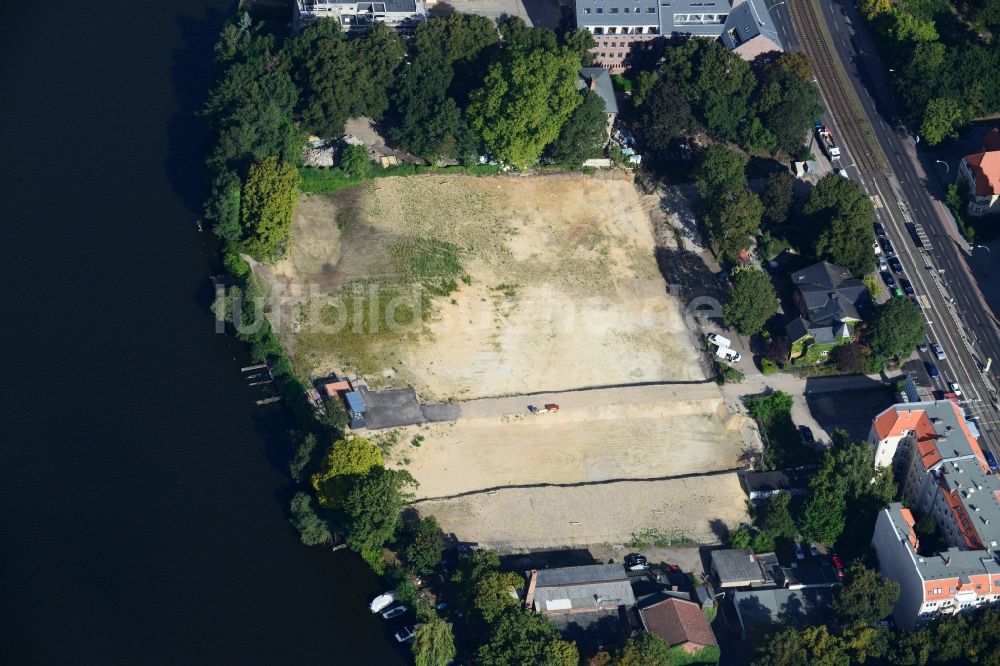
x=946, y=170
x=775, y=5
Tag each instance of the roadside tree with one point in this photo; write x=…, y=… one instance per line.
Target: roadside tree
x=942, y=117
x=752, y=301
x=841, y=216
x=898, y=327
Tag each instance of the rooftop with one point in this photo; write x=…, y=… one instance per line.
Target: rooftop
x=589, y=587
x=677, y=622
x=738, y=567
x=985, y=169
x=796, y=607
x=746, y=22
x=938, y=427
x=602, y=86
x=829, y=294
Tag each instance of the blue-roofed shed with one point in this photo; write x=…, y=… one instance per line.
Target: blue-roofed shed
x=355, y=404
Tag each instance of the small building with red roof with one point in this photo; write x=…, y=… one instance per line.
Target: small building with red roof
x=678, y=622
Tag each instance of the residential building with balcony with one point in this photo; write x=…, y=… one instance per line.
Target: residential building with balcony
x=941, y=472
x=403, y=15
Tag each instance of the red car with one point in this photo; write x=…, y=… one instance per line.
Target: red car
x=838, y=566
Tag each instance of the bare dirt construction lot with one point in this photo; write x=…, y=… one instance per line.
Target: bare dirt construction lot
x=522, y=284
x=612, y=513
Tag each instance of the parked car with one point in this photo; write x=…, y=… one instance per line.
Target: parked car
x=938, y=351
x=393, y=612
x=896, y=265
x=807, y=434
x=799, y=553
x=879, y=229
x=922, y=347
x=898, y=293
x=814, y=549
x=883, y=265
x=955, y=388
x=907, y=287
x=932, y=370
x=838, y=566
x=888, y=279
x=876, y=247
x=635, y=562
x=718, y=340
x=887, y=247
x=405, y=634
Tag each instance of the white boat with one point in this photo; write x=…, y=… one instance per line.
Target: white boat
x=382, y=601
x=405, y=634
x=394, y=612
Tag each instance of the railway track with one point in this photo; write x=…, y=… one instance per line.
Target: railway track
x=854, y=128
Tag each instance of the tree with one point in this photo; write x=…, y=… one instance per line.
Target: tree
x=740, y=537
x=865, y=596
x=584, y=134
x=380, y=51
x=494, y=594
x=469, y=571
x=778, y=518
x=805, y=646
x=464, y=45
x=873, y=286
x=732, y=222
x=764, y=408
x=525, y=100
x=752, y=301
x=897, y=328
x=304, y=446
x=372, y=507
x=906, y=27
x=787, y=106
x=864, y=642
x=580, y=42
x=796, y=64
x=665, y=115
x=942, y=117
x=312, y=529
x=519, y=36
x=424, y=545
x=824, y=513
x=268, y=206
x=911, y=648
x=720, y=171
x=645, y=649
x=757, y=139
x=347, y=460
x=354, y=161
x=848, y=357
x=429, y=122
x=841, y=216
x=779, y=192
x=433, y=643
x=526, y=639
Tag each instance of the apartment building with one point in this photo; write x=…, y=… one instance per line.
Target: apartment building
x=358, y=16
x=942, y=472
x=619, y=26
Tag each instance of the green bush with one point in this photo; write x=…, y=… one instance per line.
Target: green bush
x=768, y=367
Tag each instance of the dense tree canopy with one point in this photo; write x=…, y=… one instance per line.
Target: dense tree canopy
x=665, y=117
x=841, y=216
x=268, y=206
x=720, y=170
x=733, y=220
x=752, y=301
x=897, y=329
x=424, y=545
x=373, y=509
x=526, y=638
x=645, y=649
x=496, y=592
x=865, y=596
x=525, y=99
x=585, y=132
x=433, y=643
x=779, y=193
x=346, y=461
x=824, y=513
x=312, y=529
x=430, y=123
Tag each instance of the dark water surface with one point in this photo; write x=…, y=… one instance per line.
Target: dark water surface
x=142, y=498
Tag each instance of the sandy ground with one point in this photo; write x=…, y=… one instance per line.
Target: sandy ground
x=613, y=513
x=651, y=435
x=564, y=290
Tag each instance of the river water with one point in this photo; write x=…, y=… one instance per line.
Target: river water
x=142, y=495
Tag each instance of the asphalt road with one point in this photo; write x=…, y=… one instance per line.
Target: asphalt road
x=956, y=313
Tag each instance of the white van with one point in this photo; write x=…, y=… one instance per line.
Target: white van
x=719, y=340
x=728, y=354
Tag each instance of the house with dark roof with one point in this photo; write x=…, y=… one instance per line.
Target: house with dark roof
x=981, y=172
x=678, y=622
x=829, y=300
x=582, y=596
x=759, y=610
x=598, y=80
x=749, y=31
x=741, y=567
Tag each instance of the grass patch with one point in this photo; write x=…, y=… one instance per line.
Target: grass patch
x=659, y=539
x=433, y=263
x=318, y=180
x=783, y=445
